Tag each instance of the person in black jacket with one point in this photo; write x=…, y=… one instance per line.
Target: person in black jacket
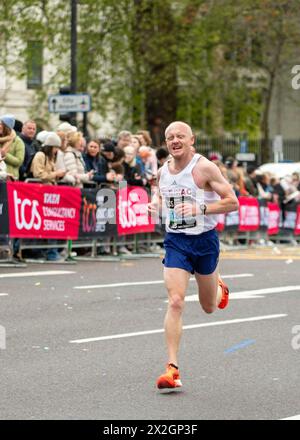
x=32, y=146
x=132, y=170
x=94, y=161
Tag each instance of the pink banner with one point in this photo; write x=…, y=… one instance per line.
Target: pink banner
x=221, y=223
x=132, y=213
x=273, y=218
x=297, y=226
x=43, y=211
x=249, y=217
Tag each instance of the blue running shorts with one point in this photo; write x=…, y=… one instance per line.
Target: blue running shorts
x=193, y=253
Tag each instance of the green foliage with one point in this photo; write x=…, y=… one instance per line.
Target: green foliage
x=148, y=60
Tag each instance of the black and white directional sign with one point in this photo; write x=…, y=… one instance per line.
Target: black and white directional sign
x=69, y=103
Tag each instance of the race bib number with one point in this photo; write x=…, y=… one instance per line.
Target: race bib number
x=176, y=221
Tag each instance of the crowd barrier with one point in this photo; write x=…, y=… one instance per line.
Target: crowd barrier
x=105, y=217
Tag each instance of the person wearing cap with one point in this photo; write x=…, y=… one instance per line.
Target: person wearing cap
x=67, y=128
x=108, y=151
x=6, y=139
x=13, y=150
x=43, y=164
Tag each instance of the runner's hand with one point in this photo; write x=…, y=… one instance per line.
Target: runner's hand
x=185, y=209
x=152, y=208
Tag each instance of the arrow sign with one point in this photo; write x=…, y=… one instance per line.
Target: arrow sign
x=69, y=103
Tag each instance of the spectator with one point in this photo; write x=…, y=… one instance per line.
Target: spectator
x=136, y=141
x=241, y=181
x=83, y=144
x=68, y=179
x=118, y=168
x=149, y=160
x=296, y=180
x=214, y=156
x=3, y=170
x=132, y=170
x=124, y=139
x=74, y=162
x=250, y=181
x=278, y=192
x=162, y=156
x=43, y=167
x=265, y=190
x=43, y=164
x=12, y=151
x=6, y=139
x=41, y=137
x=113, y=160
x=145, y=137
x=108, y=152
x=67, y=128
x=94, y=161
x=31, y=147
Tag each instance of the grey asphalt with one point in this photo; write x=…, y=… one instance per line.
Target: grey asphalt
x=44, y=376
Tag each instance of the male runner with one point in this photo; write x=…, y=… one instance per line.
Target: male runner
x=192, y=191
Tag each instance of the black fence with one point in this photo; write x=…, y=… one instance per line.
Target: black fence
x=230, y=147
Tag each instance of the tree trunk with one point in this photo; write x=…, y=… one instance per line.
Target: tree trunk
x=266, y=150
x=265, y=129
x=156, y=48
x=217, y=111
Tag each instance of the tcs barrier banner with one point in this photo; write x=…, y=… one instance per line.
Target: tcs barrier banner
x=132, y=212
x=61, y=212
x=3, y=211
x=98, y=213
x=30, y=210
x=43, y=211
x=297, y=225
x=249, y=216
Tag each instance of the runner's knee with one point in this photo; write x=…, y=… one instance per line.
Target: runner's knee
x=176, y=302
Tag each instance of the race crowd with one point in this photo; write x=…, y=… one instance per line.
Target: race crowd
x=64, y=156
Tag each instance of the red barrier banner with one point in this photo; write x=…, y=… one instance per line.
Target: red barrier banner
x=43, y=211
x=273, y=218
x=132, y=212
x=249, y=217
x=297, y=226
x=221, y=223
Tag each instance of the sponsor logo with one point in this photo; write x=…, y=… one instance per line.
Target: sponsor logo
x=27, y=215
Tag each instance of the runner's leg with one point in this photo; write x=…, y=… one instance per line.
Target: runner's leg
x=209, y=290
x=176, y=281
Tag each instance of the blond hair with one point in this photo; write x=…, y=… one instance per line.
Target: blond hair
x=73, y=138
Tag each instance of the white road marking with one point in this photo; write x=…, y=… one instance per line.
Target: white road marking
x=35, y=274
x=250, y=294
x=145, y=283
x=292, y=418
x=185, y=327
x=3, y=294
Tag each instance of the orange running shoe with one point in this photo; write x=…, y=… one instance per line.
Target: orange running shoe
x=225, y=294
x=169, y=380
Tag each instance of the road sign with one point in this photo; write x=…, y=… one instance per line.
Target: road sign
x=245, y=157
x=243, y=146
x=80, y=102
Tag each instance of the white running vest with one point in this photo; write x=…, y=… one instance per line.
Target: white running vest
x=179, y=188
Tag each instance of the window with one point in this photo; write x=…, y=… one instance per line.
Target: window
x=34, y=64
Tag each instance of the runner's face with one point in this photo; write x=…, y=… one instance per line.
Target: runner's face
x=179, y=140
